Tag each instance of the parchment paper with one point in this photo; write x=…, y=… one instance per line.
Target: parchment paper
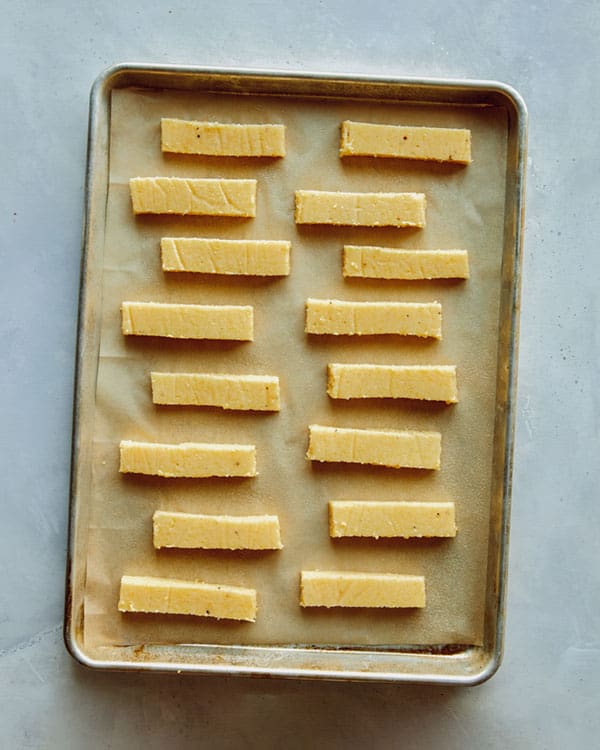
x=464, y=210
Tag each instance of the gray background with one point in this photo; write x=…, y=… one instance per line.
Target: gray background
x=546, y=694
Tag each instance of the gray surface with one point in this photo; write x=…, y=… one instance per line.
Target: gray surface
x=547, y=691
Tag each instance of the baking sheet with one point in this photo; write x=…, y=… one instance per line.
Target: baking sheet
x=465, y=210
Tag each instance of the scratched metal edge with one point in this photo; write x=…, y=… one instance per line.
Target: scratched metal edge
x=470, y=666
x=97, y=113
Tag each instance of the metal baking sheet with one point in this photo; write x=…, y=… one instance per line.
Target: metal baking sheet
x=439, y=662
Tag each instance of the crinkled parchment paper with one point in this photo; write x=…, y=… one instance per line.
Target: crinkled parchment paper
x=464, y=210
